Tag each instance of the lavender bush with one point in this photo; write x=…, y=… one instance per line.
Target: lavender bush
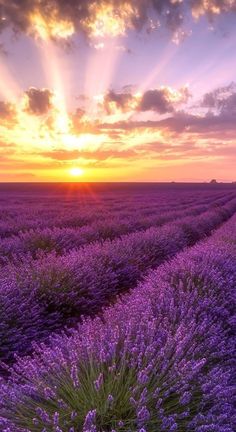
x=62, y=239
x=161, y=359
x=21, y=213
x=53, y=291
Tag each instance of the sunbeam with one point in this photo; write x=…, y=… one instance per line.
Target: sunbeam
x=100, y=69
x=9, y=89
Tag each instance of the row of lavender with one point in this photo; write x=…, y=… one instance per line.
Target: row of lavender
x=161, y=359
x=41, y=296
x=61, y=240
x=22, y=214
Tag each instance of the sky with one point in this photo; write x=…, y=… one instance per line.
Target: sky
x=117, y=90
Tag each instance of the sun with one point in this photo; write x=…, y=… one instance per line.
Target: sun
x=76, y=172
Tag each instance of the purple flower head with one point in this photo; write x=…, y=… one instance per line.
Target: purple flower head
x=99, y=381
x=89, y=423
x=110, y=399
x=185, y=398
x=74, y=375
x=133, y=401
x=35, y=421
x=143, y=377
x=169, y=424
x=49, y=393
x=143, y=415
x=56, y=418
x=43, y=415
x=73, y=415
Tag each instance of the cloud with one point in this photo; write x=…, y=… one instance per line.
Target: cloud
x=162, y=100
x=222, y=99
x=78, y=115
x=178, y=123
x=38, y=101
x=212, y=7
x=5, y=109
x=155, y=100
x=174, y=135
x=7, y=114
x=113, y=101
x=96, y=155
x=24, y=176
x=60, y=19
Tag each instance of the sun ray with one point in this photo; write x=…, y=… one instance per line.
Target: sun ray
x=205, y=73
x=152, y=78
x=100, y=71
x=9, y=88
x=53, y=71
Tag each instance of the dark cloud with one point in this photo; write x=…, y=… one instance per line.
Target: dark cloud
x=81, y=14
x=222, y=100
x=38, y=101
x=155, y=100
x=128, y=88
x=172, y=12
x=120, y=100
x=229, y=105
x=179, y=122
x=162, y=100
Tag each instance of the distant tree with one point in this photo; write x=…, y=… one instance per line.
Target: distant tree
x=213, y=181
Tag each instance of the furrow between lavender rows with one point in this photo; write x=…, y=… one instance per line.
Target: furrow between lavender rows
x=42, y=296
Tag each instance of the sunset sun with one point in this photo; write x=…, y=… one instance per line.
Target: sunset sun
x=76, y=172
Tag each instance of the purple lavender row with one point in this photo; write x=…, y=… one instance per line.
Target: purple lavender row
x=41, y=213
x=30, y=214
x=42, y=296
x=61, y=240
x=161, y=359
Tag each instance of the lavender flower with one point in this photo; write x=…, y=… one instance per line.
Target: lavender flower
x=99, y=382
x=170, y=338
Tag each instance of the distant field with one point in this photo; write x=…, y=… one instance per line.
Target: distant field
x=116, y=307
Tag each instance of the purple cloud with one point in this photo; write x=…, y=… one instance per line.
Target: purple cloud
x=39, y=101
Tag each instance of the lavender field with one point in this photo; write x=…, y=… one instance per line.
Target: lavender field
x=117, y=307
